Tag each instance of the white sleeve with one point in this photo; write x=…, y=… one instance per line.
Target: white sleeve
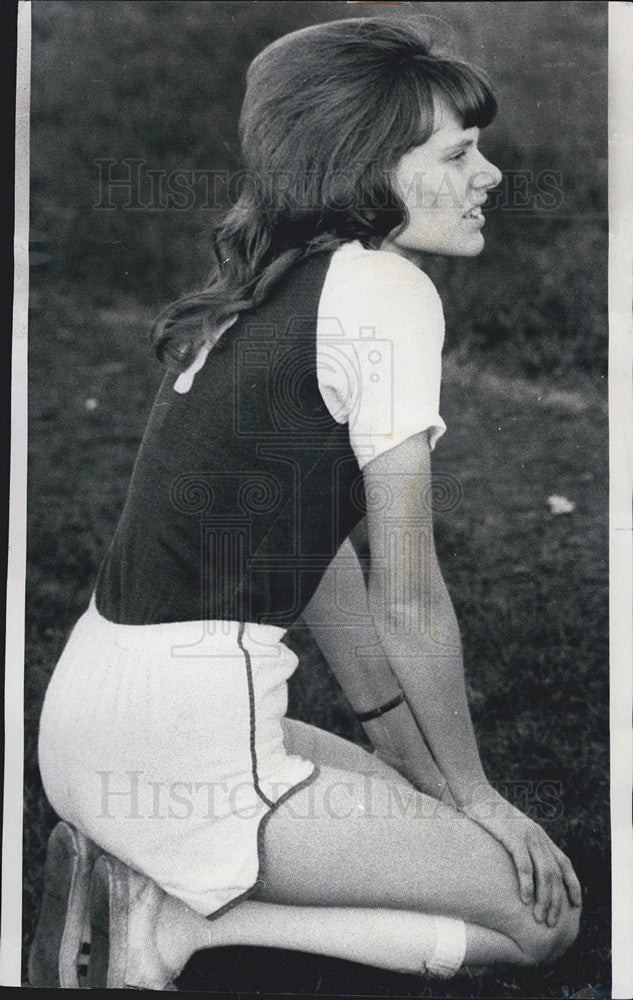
x=380, y=334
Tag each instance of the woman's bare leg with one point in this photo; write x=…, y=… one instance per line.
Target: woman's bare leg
x=357, y=864
x=398, y=940
x=327, y=749
x=350, y=839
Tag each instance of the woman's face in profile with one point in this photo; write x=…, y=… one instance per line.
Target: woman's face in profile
x=443, y=184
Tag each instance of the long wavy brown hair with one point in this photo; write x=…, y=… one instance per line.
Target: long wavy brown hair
x=329, y=111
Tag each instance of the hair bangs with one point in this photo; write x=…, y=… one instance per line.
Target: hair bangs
x=466, y=89
x=410, y=105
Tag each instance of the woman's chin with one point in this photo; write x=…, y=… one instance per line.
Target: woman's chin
x=469, y=248
x=414, y=249
x=475, y=251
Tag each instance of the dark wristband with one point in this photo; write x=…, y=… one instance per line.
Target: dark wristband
x=376, y=712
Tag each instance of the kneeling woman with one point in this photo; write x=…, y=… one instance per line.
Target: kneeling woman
x=301, y=395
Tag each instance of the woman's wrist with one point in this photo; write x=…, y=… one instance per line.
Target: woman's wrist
x=488, y=806
x=376, y=713
x=388, y=734
x=473, y=795
x=398, y=741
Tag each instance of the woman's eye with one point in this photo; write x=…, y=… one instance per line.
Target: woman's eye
x=458, y=156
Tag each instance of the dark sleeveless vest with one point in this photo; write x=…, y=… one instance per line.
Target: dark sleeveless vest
x=245, y=486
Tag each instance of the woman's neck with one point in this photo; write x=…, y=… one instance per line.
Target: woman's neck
x=415, y=256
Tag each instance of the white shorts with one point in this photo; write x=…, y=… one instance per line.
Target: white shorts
x=163, y=744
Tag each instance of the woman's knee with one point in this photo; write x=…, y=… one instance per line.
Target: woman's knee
x=540, y=944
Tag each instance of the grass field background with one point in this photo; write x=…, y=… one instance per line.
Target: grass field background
x=524, y=398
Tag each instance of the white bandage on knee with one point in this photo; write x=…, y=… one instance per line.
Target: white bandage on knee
x=450, y=948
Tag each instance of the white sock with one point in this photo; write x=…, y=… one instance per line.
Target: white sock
x=450, y=948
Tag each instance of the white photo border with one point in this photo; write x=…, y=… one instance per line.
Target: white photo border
x=621, y=522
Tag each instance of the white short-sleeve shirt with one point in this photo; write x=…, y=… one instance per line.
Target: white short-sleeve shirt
x=380, y=332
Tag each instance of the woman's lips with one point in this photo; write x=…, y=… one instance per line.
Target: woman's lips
x=474, y=213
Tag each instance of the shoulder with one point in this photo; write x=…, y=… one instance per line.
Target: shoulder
x=379, y=280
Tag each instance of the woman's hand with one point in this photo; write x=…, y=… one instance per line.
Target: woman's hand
x=544, y=873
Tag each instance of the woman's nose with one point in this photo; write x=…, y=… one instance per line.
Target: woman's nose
x=488, y=176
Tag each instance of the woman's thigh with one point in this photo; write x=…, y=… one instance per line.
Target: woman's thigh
x=326, y=749
x=352, y=838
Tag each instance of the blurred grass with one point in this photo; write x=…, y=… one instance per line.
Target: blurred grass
x=523, y=398
x=530, y=590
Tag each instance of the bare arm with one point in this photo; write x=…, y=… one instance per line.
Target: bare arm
x=416, y=623
x=338, y=617
x=413, y=614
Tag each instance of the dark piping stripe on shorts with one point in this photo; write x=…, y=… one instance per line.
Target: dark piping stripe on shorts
x=251, y=704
